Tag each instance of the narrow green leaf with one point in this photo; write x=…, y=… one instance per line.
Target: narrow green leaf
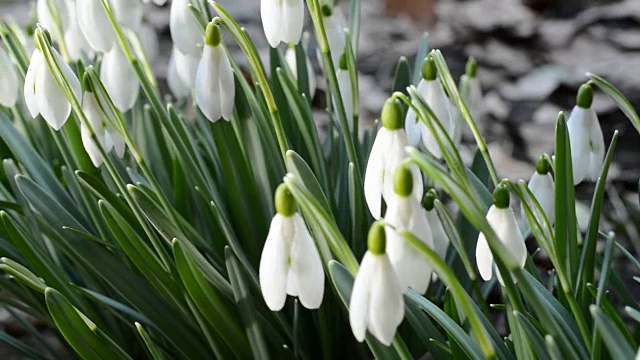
x=618, y=98
x=154, y=350
x=611, y=335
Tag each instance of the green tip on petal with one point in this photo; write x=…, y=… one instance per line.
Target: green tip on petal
x=429, y=69
x=585, y=96
x=472, y=68
x=501, y=197
x=285, y=203
x=377, y=240
x=392, y=115
x=343, y=61
x=429, y=200
x=542, y=166
x=403, y=181
x=213, y=36
x=326, y=10
x=86, y=83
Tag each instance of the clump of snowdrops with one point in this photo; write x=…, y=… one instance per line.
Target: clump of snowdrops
x=217, y=222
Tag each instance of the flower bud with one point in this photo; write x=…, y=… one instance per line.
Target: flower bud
x=429, y=69
x=585, y=96
x=471, y=69
x=343, y=62
x=285, y=203
x=403, y=181
x=430, y=199
x=542, y=166
x=213, y=36
x=392, y=115
x=377, y=239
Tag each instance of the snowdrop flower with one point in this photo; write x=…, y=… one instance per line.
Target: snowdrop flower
x=440, y=238
x=74, y=38
x=178, y=87
x=95, y=25
x=346, y=92
x=405, y=213
x=8, y=80
x=433, y=93
x=290, y=58
x=42, y=93
x=108, y=138
x=46, y=19
x=128, y=13
x=157, y=2
x=184, y=28
x=585, y=135
x=282, y=20
x=149, y=41
x=334, y=25
x=542, y=187
x=386, y=155
x=186, y=66
x=119, y=78
x=215, y=87
x=503, y=222
x=376, y=300
x=290, y=263
x=471, y=92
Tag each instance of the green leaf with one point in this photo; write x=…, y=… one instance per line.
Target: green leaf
x=618, y=98
x=246, y=307
x=532, y=335
x=80, y=332
x=154, y=350
x=423, y=49
x=23, y=274
x=611, y=335
x=402, y=78
x=25, y=349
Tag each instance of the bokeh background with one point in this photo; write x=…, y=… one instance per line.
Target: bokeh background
x=532, y=56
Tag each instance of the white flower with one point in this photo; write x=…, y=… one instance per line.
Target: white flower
x=503, y=222
x=74, y=38
x=542, y=187
x=186, y=67
x=8, y=80
x=178, y=87
x=46, y=19
x=587, y=141
x=157, y=2
x=282, y=20
x=108, y=137
x=404, y=213
x=95, y=25
x=440, y=238
x=149, y=41
x=42, y=93
x=128, y=13
x=290, y=58
x=215, y=87
x=334, y=25
x=346, y=92
x=386, y=155
x=376, y=299
x=185, y=31
x=290, y=263
x=119, y=78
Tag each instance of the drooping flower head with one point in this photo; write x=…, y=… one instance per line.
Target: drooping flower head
x=503, y=222
x=346, y=92
x=290, y=58
x=433, y=93
x=8, y=80
x=185, y=31
x=405, y=213
x=282, y=20
x=440, y=238
x=119, y=78
x=290, y=263
x=471, y=91
x=334, y=26
x=542, y=186
x=42, y=93
x=215, y=87
x=376, y=300
x=585, y=135
x=386, y=155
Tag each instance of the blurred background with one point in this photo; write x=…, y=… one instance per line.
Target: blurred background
x=532, y=57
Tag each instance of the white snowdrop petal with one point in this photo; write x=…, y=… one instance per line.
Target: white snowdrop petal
x=412, y=127
x=272, y=19
x=393, y=156
x=128, y=13
x=578, y=127
x=374, y=173
x=90, y=147
x=596, y=140
x=149, y=41
x=359, y=303
x=386, y=305
x=293, y=20
x=95, y=25
x=30, y=83
x=227, y=84
x=119, y=79
x=118, y=143
x=8, y=81
x=177, y=86
x=503, y=222
x=94, y=114
x=542, y=187
x=440, y=239
x=434, y=96
x=306, y=267
x=185, y=31
x=187, y=67
x=273, y=263
x=74, y=37
x=484, y=258
x=52, y=102
x=208, y=92
x=334, y=26
x=69, y=75
x=45, y=17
